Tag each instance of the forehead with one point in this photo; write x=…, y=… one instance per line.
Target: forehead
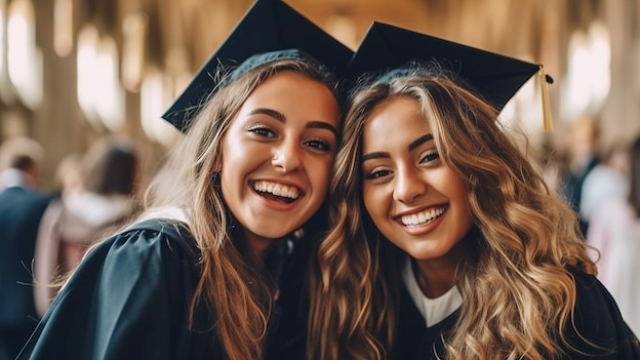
x=296, y=94
x=286, y=81
x=396, y=117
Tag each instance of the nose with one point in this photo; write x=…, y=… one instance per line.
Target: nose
x=409, y=185
x=286, y=158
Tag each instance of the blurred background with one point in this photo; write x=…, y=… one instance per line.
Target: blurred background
x=72, y=71
x=83, y=84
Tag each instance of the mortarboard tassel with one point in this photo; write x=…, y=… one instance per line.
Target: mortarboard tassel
x=547, y=119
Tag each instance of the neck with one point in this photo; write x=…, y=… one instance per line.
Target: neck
x=437, y=276
x=258, y=248
x=433, y=279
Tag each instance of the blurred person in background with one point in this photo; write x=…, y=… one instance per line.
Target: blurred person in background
x=607, y=180
x=19, y=159
x=97, y=197
x=615, y=232
x=582, y=157
x=21, y=208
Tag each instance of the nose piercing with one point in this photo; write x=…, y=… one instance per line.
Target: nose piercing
x=275, y=157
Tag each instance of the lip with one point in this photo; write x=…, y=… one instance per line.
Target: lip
x=277, y=205
x=425, y=229
x=301, y=192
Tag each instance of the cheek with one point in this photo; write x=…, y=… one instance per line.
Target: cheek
x=459, y=196
x=233, y=149
x=371, y=202
x=319, y=172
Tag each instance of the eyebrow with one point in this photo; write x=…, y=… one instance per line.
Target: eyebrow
x=414, y=144
x=419, y=141
x=322, y=125
x=281, y=118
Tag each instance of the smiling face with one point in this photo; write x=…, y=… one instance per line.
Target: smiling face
x=277, y=156
x=416, y=201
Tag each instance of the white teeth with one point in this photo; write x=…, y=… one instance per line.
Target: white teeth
x=276, y=189
x=422, y=218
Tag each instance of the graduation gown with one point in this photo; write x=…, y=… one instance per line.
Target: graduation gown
x=596, y=314
x=130, y=298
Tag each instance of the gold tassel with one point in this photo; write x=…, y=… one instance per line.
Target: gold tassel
x=547, y=119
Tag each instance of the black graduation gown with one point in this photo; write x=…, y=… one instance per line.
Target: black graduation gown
x=130, y=298
x=597, y=319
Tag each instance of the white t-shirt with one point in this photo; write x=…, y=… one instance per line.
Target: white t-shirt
x=432, y=310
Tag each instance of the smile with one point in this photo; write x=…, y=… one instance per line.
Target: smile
x=277, y=191
x=422, y=218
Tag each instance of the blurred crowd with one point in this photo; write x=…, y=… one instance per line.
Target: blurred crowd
x=601, y=182
x=45, y=234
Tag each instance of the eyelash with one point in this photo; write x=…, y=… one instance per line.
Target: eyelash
x=263, y=131
x=320, y=144
x=376, y=174
x=430, y=156
x=317, y=143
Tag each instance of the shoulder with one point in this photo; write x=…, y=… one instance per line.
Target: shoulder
x=597, y=327
x=139, y=281
x=156, y=238
x=20, y=192
x=153, y=253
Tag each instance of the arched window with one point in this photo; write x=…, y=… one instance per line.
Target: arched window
x=24, y=59
x=100, y=94
x=134, y=31
x=588, y=78
x=154, y=94
x=3, y=40
x=63, y=27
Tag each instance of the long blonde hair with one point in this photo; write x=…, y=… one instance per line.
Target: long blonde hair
x=235, y=290
x=516, y=283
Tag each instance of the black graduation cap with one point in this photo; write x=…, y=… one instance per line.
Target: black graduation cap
x=496, y=77
x=270, y=30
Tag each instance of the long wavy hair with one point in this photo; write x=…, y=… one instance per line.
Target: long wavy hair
x=236, y=290
x=516, y=282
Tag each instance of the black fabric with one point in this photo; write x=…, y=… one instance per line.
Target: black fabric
x=129, y=299
x=386, y=48
x=20, y=212
x=597, y=319
x=270, y=30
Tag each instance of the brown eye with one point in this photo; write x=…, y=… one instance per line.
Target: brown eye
x=377, y=174
x=318, y=144
x=430, y=156
x=262, y=131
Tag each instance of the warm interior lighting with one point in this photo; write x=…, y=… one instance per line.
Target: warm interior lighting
x=63, y=27
x=153, y=102
x=100, y=95
x=87, y=59
x=2, y=39
x=341, y=26
x=24, y=59
x=134, y=29
x=524, y=110
x=110, y=99
x=177, y=61
x=588, y=78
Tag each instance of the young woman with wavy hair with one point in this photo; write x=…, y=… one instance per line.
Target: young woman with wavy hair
x=212, y=268
x=446, y=243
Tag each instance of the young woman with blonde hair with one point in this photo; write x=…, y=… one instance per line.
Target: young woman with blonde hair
x=211, y=269
x=446, y=243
